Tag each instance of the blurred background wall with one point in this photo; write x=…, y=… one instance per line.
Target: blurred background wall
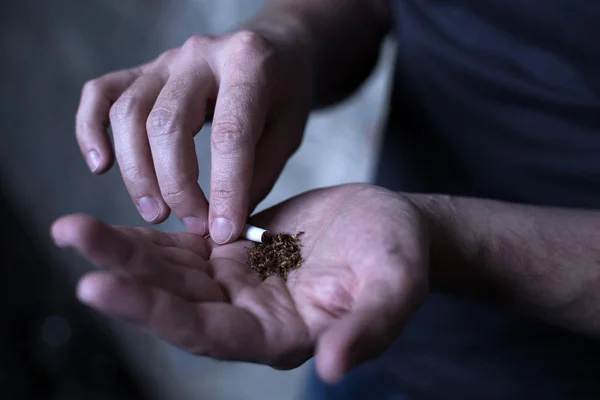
x=48, y=49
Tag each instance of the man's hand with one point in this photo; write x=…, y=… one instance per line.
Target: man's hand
x=260, y=82
x=364, y=275
x=260, y=93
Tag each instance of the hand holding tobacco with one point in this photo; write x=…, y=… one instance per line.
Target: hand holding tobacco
x=361, y=273
x=366, y=267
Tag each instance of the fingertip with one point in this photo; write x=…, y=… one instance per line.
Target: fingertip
x=349, y=342
x=56, y=232
x=191, y=208
x=113, y=294
x=66, y=230
x=328, y=369
x=91, y=288
x=93, y=160
x=227, y=215
x=198, y=226
x=96, y=241
x=222, y=230
x=152, y=210
x=164, y=214
x=330, y=361
x=98, y=161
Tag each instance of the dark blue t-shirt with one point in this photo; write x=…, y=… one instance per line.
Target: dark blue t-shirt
x=497, y=99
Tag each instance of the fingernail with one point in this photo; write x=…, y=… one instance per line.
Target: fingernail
x=93, y=160
x=221, y=230
x=149, y=208
x=195, y=225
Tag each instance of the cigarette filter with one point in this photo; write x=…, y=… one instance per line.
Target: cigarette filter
x=254, y=233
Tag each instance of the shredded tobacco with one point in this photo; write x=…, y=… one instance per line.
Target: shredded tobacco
x=277, y=255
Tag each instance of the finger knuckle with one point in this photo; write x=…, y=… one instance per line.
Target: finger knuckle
x=252, y=57
x=197, y=43
x=224, y=192
x=228, y=137
x=167, y=56
x=176, y=192
x=244, y=88
x=162, y=121
x=92, y=87
x=125, y=107
x=251, y=42
x=173, y=195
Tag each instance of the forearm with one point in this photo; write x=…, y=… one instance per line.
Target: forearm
x=543, y=261
x=340, y=39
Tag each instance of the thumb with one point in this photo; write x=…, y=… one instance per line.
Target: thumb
x=364, y=333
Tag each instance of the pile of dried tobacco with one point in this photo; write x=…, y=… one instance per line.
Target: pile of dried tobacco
x=277, y=255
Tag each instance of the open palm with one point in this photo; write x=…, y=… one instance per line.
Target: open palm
x=364, y=274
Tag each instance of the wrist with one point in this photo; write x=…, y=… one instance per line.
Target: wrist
x=456, y=245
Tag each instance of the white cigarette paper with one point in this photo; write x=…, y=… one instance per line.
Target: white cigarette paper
x=253, y=233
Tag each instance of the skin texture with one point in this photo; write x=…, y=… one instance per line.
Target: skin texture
x=370, y=257
x=367, y=250
x=155, y=111
x=365, y=273
x=540, y=261
x=256, y=85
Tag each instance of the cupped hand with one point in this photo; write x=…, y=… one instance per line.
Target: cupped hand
x=255, y=90
x=364, y=274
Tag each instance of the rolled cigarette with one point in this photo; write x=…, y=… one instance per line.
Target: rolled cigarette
x=254, y=233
